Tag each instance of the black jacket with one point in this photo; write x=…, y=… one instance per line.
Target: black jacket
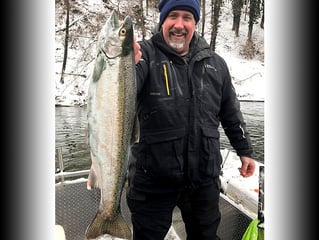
x=181, y=102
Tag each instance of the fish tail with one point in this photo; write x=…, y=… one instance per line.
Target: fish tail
x=116, y=227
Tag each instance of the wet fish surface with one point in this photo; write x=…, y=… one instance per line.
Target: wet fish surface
x=111, y=113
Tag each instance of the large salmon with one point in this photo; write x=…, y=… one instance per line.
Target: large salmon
x=111, y=114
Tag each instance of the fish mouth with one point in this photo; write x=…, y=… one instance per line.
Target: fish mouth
x=128, y=21
x=127, y=39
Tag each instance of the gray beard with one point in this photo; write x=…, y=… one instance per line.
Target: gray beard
x=177, y=45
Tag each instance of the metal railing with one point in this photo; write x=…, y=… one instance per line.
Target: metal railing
x=61, y=174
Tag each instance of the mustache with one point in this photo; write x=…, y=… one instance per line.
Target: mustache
x=178, y=31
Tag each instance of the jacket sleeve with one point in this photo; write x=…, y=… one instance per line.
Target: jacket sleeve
x=232, y=119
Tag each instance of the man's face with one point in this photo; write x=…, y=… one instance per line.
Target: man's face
x=178, y=29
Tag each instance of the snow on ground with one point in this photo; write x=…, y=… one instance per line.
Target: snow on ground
x=246, y=69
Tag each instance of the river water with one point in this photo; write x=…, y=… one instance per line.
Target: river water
x=71, y=138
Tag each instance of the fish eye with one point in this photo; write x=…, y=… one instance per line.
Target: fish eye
x=122, y=31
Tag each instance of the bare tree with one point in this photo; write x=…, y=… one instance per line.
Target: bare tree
x=66, y=40
x=237, y=6
x=139, y=17
x=146, y=6
x=246, y=2
x=203, y=2
x=254, y=13
x=216, y=5
x=262, y=14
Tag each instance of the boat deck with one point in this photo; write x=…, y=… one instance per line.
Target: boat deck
x=75, y=207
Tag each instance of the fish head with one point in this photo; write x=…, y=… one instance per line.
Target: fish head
x=126, y=36
x=116, y=39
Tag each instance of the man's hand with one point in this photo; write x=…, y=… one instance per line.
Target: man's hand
x=137, y=51
x=248, y=166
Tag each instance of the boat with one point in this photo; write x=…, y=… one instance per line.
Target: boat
x=241, y=202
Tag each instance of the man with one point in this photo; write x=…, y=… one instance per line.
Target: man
x=184, y=93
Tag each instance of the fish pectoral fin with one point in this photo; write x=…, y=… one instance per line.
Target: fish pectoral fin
x=116, y=227
x=92, y=181
x=98, y=67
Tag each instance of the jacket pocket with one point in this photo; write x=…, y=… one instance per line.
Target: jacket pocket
x=210, y=157
x=164, y=155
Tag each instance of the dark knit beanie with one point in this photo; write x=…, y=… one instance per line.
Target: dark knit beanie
x=165, y=6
